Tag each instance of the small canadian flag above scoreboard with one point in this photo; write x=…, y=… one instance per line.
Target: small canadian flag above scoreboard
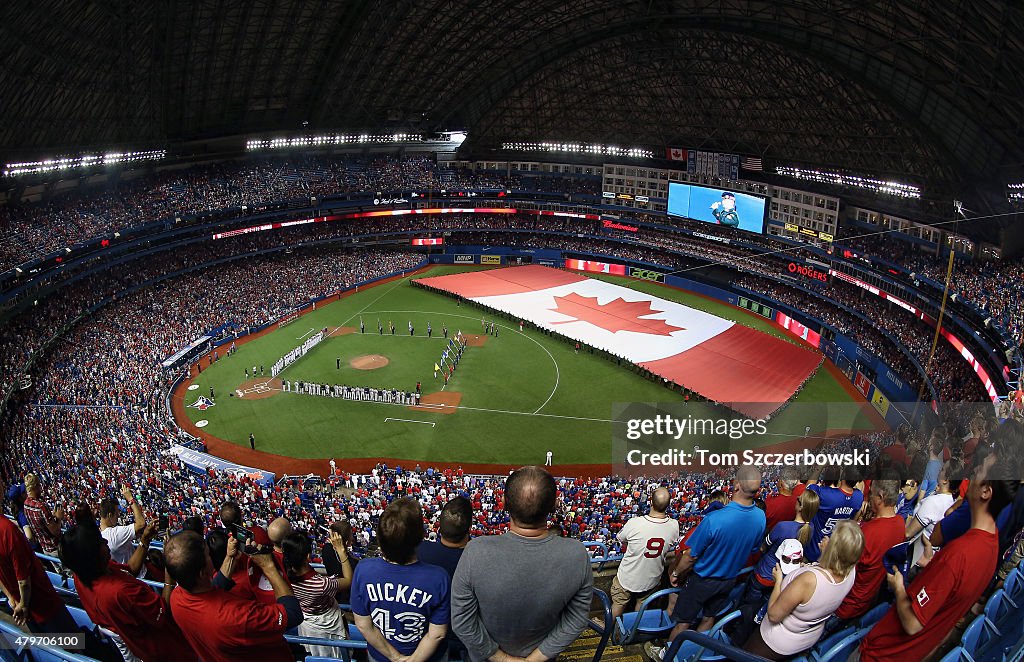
x=675, y=153
x=435, y=241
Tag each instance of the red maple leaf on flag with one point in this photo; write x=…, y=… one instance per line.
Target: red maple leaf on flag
x=617, y=315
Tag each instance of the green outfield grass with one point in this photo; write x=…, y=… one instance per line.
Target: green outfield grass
x=522, y=393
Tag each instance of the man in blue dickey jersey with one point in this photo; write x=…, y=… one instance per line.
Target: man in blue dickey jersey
x=836, y=504
x=401, y=605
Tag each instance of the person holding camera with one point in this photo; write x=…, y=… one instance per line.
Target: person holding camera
x=218, y=624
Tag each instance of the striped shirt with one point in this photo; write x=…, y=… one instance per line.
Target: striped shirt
x=39, y=516
x=315, y=592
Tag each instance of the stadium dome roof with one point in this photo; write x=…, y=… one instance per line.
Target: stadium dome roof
x=931, y=91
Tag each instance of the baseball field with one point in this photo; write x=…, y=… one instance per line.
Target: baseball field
x=513, y=397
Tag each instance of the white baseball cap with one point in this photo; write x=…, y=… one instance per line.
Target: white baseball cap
x=790, y=553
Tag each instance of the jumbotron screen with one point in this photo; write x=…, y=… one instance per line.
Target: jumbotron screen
x=714, y=205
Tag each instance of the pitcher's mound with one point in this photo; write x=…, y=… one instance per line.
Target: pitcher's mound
x=257, y=389
x=475, y=340
x=369, y=362
x=442, y=402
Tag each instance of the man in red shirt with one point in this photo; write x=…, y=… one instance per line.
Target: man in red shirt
x=24, y=582
x=219, y=625
x=881, y=532
x=116, y=600
x=951, y=582
x=780, y=507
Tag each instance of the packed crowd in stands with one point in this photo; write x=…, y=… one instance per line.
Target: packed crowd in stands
x=846, y=527
x=32, y=230
x=953, y=379
x=90, y=454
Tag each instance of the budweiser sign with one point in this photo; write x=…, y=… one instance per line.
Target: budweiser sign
x=612, y=225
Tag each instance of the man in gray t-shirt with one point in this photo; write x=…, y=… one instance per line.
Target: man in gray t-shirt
x=525, y=592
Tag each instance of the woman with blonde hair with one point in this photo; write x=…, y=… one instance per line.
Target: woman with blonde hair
x=762, y=580
x=801, y=602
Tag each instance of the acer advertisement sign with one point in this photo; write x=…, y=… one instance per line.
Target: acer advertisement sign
x=646, y=274
x=596, y=267
x=798, y=329
x=436, y=241
x=807, y=271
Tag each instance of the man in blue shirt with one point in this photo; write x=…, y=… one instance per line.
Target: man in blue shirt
x=835, y=505
x=719, y=548
x=453, y=526
x=401, y=604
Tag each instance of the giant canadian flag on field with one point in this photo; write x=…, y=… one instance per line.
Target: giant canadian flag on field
x=727, y=362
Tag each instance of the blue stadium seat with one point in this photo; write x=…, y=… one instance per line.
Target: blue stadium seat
x=817, y=653
x=354, y=634
x=646, y=622
x=842, y=649
x=978, y=638
x=997, y=609
x=82, y=619
x=956, y=655
x=55, y=579
x=692, y=652
x=1013, y=588
x=874, y=615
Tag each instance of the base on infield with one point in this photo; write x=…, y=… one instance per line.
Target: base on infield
x=258, y=389
x=369, y=362
x=442, y=402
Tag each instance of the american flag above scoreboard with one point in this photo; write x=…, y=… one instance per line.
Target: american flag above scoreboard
x=752, y=163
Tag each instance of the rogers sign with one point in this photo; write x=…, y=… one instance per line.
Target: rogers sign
x=807, y=272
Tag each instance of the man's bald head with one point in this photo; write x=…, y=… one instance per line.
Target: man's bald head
x=278, y=530
x=186, y=557
x=530, y=496
x=659, y=500
x=748, y=480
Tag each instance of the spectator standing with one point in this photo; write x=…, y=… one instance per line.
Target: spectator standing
x=34, y=602
x=453, y=526
x=401, y=604
x=882, y=532
x=45, y=524
x=120, y=537
x=836, y=504
x=952, y=580
x=219, y=625
x=545, y=580
x=315, y=592
x=649, y=540
x=718, y=549
x=113, y=597
x=779, y=507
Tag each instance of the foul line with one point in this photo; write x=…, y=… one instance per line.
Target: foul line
x=305, y=334
x=408, y=420
x=557, y=371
